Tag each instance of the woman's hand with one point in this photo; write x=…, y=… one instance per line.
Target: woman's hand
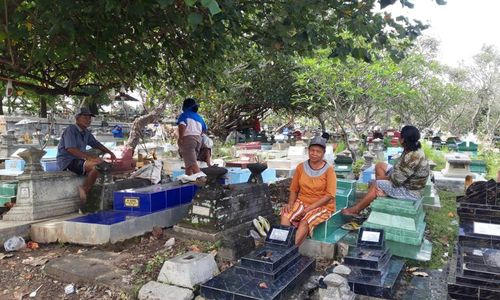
x=287, y=209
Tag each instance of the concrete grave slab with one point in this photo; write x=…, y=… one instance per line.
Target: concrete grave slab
x=92, y=267
x=159, y=291
x=114, y=226
x=188, y=269
x=313, y=248
x=50, y=231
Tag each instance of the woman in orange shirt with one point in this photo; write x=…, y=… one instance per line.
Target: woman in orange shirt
x=312, y=193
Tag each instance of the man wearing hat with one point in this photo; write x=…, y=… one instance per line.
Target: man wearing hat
x=71, y=151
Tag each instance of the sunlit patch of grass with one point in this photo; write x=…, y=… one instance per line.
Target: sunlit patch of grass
x=442, y=227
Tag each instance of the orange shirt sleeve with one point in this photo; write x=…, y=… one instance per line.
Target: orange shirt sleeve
x=294, y=186
x=331, y=182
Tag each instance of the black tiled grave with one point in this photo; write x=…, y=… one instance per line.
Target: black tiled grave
x=269, y=272
x=268, y=258
x=476, y=274
x=374, y=272
x=377, y=286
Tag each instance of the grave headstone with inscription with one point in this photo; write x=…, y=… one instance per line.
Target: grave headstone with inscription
x=269, y=272
x=225, y=212
x=403, y=223
x=475, y=269
x=374, y=272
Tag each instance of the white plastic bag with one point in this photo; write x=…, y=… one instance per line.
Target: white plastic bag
x=206, y=142
x=152, y=172
x=14, y=243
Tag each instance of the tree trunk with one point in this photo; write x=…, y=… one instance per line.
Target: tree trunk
x=321, y=120
x=1, y=107
x=141, y=122
x=43, y=107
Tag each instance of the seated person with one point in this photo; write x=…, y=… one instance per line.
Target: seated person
x=71, y=153
x=406, y=180
x=312, y=193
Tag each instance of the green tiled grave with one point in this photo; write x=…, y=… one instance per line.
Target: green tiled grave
x=8, y=191
x=330, y=231
x=430, y=198
x=478, y=166
x=8, y=188
x=471, y=148
x=420, y=252
x=343, y=167
x=403, y=224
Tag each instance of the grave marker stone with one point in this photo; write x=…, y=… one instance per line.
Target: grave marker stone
x=269, y=272
x=403, y=223
x=374, y=272
x=476, y=273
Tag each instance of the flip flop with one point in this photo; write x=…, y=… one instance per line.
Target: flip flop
x=351, y=226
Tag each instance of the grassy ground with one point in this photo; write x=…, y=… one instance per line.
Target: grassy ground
x=442, y=231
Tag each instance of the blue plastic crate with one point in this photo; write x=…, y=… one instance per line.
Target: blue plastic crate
x=177, y=173
x=368, y=174
x=50, y=166
x=15, y=164
x=237, y=175
x=269, y=175
x=51, y=154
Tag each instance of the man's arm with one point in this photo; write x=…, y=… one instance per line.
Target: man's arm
x=182, y=130
x=106, y=150
x=77, y=153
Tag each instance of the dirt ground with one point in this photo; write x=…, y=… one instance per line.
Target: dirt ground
x=142, y=257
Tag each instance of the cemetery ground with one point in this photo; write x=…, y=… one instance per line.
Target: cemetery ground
x=142, y=258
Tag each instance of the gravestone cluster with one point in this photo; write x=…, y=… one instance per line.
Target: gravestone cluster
x=221, y=210
x=403, y=221
x=269, y=272
x=476, y=274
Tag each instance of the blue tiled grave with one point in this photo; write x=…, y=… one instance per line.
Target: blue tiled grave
x=374, y=272
x=136, y=212
x=153, y=198
x=270, y=272
x=476, y=273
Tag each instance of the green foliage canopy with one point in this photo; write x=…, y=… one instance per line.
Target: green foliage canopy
x=67, y=46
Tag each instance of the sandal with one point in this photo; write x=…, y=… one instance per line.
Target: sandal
x=351, y=226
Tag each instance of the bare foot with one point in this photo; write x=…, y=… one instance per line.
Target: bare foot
x=83, y=194
x=350, y=211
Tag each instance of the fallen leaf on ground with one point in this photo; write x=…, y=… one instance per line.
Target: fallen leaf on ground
x=263, y=285
x=421, y=274
x=450, y=214
x=213, y=252
x=170, y=243
x=39, y=261
x=157, y=232
x=32, y=245
x=194, y=248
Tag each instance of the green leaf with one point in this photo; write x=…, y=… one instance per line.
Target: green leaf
x=212, y=6
x=190, y=2
x=165, y=3
x=194, y=19
x=3, y=36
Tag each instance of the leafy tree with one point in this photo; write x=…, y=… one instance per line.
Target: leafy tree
x=66, y=46
x=480, y=112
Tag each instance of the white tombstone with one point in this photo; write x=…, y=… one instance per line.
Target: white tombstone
x=457, y=165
